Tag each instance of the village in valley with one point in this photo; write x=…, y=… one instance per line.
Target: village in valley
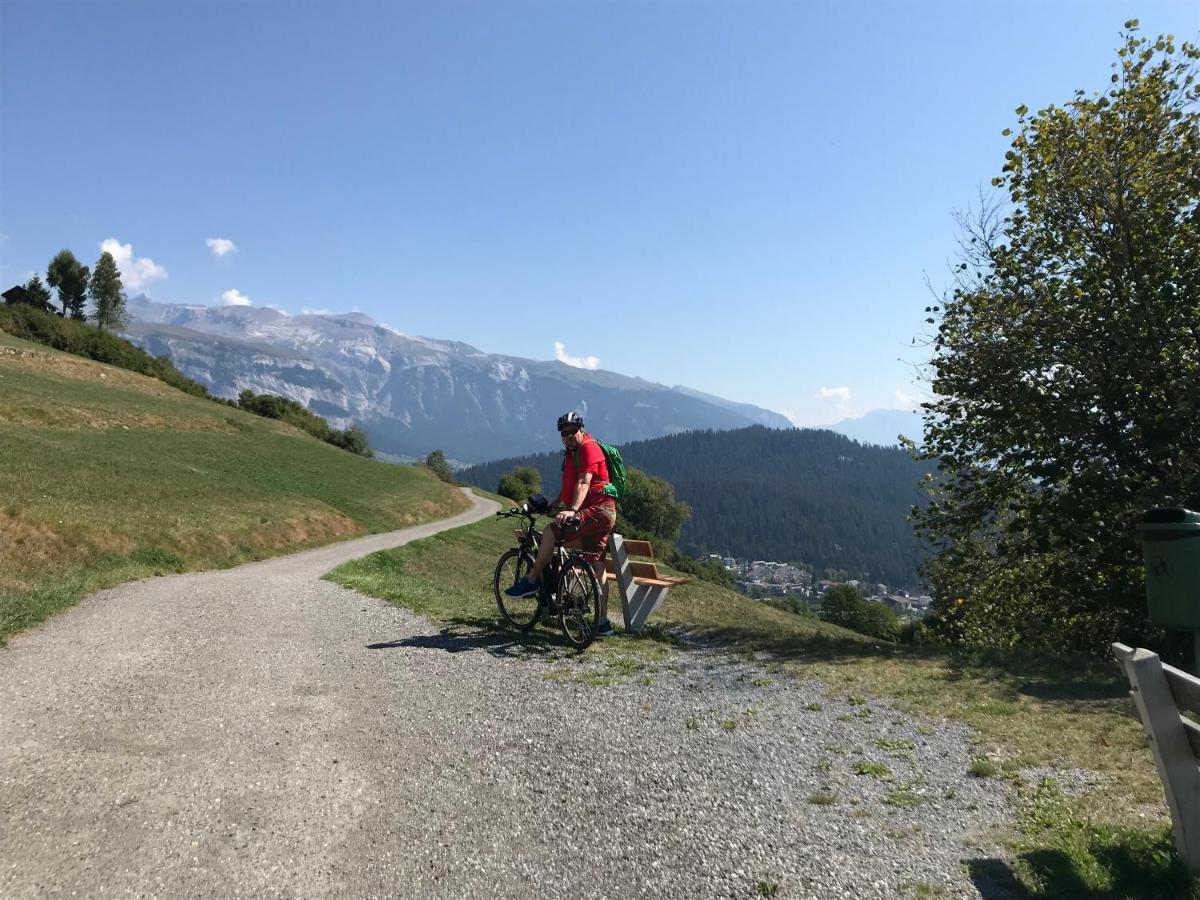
x=759, y=579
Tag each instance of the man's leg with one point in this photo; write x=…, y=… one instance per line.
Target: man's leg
x=598, y=571
x=545, y=551
x=526, y=585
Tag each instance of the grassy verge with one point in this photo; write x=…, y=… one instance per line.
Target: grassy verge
x=107, y=475
x=1028, y=711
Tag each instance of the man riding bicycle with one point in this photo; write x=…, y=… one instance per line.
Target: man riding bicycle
x=582, y=499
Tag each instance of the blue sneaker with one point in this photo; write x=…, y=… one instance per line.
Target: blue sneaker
x=525, y=587
x=605, y=629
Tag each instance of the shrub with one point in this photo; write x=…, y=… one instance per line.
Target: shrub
x=704, y=569
x=437, y=464
x=270, y=406
x=794, y=605
x=519, y=484
x=915, y=631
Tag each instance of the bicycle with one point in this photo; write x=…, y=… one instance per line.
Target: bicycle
x=568, y=590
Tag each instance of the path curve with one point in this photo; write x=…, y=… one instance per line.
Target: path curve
x=200, y=734
x=260, y=732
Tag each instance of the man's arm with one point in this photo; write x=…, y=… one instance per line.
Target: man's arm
x=581, y=492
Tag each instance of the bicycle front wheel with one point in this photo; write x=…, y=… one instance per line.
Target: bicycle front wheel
x=579, y=603
x=520, y=612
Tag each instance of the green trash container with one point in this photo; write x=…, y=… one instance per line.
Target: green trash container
x=1171, y=549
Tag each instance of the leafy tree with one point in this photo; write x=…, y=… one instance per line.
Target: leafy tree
x=520, y=483
x=70, y=278
x=650, y=511
x=879, y=621
x=39, y=295
x=436, y=463
x=1066, y=364
x=108, y=294
x=844, y=605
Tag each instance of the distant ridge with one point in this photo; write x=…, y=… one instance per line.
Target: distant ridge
x=414, y=394
x=800, y=495
x=882, y=426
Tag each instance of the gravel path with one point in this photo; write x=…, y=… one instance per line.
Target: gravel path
x=259, y=732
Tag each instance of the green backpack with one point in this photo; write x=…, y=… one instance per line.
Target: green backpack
x=616, y=470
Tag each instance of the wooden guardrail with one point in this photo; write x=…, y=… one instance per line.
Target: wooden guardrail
x=1162, y=694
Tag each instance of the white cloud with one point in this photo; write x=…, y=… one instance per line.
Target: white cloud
x=135, y=272
x=221, y=246
x=579, y=362
x=841, y=394
x=234, y=297
x=907, y=401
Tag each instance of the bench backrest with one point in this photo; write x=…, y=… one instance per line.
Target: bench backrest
x=638, y=569
x=639, y=548
x=1161, y=694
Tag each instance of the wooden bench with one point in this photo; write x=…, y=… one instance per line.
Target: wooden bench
x=1161, y=694
x=643, y=588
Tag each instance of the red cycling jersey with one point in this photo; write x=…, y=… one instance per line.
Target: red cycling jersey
x=591, y=459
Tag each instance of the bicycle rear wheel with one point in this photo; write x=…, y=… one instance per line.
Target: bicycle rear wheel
x=520, y=612
x=579, y=603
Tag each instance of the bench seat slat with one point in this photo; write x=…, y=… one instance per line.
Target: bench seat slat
x=656, y=582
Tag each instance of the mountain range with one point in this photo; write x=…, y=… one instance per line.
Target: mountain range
x=414, y=394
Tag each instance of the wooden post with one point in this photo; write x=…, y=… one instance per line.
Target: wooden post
x=623, y=573
x=1177, y=766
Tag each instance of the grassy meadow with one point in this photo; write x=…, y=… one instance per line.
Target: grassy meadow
x=1029, y=712
x=107, y=476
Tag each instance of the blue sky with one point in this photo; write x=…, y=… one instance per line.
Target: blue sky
x=741, y=197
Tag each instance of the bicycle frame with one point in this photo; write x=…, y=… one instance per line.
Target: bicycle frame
x=561, y=562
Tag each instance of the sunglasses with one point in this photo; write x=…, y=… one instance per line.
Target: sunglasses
x=568, y=431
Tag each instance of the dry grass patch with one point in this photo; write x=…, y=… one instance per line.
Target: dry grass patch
x=67, y=416
x=57, y=365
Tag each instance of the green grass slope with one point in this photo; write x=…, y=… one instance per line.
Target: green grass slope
x=107, y=475
x=1028, y=711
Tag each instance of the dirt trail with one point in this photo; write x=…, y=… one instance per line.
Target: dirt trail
x=202, y=734
x=260, y=732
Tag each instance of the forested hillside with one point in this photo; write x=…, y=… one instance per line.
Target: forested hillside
x=800, y=495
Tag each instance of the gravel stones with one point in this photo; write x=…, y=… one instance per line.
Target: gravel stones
x=261, y=732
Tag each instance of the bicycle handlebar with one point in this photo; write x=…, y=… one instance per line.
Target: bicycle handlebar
x=519, y=511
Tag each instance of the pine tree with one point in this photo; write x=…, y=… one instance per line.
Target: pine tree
x=39, y=295
x=108, y=294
